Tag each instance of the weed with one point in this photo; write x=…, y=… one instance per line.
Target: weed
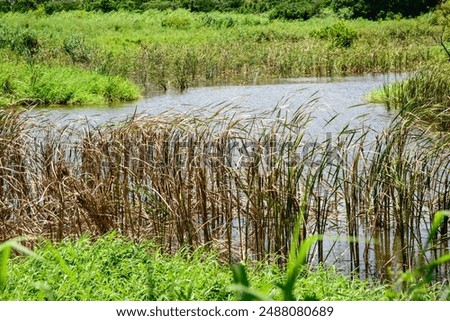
x=340, y=34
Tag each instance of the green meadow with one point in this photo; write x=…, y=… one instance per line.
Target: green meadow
x=111, y=54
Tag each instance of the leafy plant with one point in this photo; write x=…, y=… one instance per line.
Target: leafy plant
x=5, y=254
x=340, y=34
x=419, y=280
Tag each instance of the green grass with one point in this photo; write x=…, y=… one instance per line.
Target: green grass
x=181, y=49
x=113, y=268
x=423, y=97
x=22, y=84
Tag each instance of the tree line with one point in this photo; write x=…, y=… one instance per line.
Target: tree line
x=282, y=9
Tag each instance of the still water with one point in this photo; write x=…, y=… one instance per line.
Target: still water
x=340, y=99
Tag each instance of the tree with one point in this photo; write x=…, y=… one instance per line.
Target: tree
x=441, y=18
x=378, y=9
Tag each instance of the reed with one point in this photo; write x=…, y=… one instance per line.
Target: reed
x=234, y=183
x=179, y=49
x=423, y=97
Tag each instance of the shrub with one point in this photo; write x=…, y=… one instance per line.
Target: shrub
x=178, y=19
x=340, y=34
x=75, y=46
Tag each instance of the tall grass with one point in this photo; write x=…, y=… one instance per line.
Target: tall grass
x=180, y=49
x=114, y=268
x=234, y=183
x=423, y=97
x=29, y=85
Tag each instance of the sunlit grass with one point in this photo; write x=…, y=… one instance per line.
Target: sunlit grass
x=424, y=97
x=113, y=268
x=22, y=84
x=180, y=49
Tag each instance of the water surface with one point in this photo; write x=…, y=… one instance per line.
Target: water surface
x=341, y=99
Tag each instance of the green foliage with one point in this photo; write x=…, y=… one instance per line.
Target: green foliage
x=22, y=41
x=159, y=5
x=180, y=48
x=279, y=9
x=218, y=21
x=5, y=254
x=188, y=276
x=424, y=97
x=40, y=84
x=294, y=10
x=382, y=9
x=77, y=49
x=178, y=19
x=340, y=34
x=441, y=18
x=113, y=268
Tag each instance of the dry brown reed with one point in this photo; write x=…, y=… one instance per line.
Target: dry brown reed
x=235, y=183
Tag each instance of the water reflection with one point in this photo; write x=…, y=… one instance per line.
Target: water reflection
x=340, y=99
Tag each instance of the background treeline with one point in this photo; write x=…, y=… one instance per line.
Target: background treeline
x=284, y=9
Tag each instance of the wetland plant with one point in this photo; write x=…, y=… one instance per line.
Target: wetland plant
x=230, y=182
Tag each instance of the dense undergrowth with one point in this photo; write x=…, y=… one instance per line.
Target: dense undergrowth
x=179, y=49
x=113, y=268
x=423, y=97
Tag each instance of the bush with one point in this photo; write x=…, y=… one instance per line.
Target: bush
x=178, y=19
x=293, y=11
x=340, y=34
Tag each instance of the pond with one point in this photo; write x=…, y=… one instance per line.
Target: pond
x=334, y=105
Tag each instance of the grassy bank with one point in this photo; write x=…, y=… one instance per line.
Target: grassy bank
x=112, y=268
x=28, y=85
x=424, y=97
x=180, y=49
x=234, y=182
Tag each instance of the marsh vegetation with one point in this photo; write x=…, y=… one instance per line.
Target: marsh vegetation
x=180, y=49
x=244, y=188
